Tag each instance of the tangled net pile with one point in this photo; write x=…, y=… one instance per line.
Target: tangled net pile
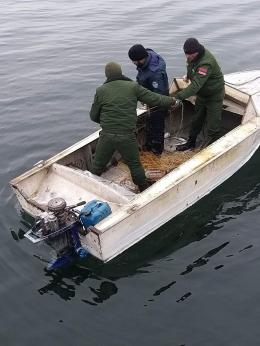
x=157, y=166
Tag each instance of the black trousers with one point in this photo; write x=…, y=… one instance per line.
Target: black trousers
x=155, y=125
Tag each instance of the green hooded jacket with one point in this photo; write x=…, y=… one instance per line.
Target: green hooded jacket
x=206, y=78
x=114, y=106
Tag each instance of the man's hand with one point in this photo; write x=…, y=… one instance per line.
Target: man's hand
x=176, y=104
x=185, y=79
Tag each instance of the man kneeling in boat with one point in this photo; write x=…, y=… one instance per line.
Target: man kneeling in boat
x=207, y=83
x=114, y=108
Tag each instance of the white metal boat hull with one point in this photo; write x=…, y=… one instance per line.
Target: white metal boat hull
x=136, y=216
x=175, y=193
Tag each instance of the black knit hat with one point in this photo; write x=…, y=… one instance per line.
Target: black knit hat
x=113, y=69
x=137, y=52
x=191, y=46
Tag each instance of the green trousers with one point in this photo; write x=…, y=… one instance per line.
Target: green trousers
x=127, y=146
x=208, y=110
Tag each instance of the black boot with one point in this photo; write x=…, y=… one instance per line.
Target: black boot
x=147, y=147
x=145, y=185
x=209, y=140
x=190, y=144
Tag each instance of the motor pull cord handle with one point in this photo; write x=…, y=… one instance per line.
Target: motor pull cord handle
x=76, y=205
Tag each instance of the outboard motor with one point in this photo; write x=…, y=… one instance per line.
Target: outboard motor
x=59, y=227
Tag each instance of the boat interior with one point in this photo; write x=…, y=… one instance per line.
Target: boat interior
x=69, y=177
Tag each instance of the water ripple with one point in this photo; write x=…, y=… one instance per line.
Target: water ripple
x=52, y=59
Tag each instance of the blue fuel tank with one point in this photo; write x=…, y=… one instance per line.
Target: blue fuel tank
x=93, y=212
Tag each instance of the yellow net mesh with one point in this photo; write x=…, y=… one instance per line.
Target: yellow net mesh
x=157, y=166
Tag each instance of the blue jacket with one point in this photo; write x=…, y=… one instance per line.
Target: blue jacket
x=153, y=74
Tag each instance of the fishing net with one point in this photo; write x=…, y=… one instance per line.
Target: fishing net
x=157, y=166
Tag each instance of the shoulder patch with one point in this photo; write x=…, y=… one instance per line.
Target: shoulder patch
x=155, y=84
x=203, y=70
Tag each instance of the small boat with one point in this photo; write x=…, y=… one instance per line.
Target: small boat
x=180, y=178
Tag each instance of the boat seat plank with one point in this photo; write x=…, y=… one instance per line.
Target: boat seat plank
x=75, y=185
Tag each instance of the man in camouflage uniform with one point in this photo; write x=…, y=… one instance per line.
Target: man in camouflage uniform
x=207, y=83
x=114, y=108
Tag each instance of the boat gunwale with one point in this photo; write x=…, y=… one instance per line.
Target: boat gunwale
x=46, y=163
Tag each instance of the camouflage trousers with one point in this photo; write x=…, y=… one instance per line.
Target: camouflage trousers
x=126, y=144
x=208, y=111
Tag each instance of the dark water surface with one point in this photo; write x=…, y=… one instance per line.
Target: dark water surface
x=195, y=281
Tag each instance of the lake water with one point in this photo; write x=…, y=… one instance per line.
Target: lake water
x=194, y=282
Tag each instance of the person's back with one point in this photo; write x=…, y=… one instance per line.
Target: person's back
x=116, y=101
x=119, y=99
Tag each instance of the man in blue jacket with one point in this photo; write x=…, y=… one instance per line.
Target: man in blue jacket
x=152, y=75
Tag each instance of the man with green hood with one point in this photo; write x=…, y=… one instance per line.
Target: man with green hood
x=207, y=83
x=114, y=108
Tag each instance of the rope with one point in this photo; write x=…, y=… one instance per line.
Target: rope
x=177, y=134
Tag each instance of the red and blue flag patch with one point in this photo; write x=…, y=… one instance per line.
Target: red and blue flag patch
x=203, y=70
